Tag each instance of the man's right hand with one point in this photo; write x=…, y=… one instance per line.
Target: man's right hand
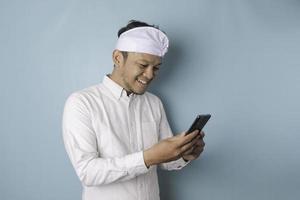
x=171, y=148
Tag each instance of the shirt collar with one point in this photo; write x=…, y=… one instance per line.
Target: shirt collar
x=117, y=90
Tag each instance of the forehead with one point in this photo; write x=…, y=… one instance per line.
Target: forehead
x=144, y=57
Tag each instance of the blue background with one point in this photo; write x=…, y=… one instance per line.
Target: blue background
x=236, y=59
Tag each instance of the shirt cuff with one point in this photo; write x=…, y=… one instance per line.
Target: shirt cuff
x=135, y=163
x=181, y=163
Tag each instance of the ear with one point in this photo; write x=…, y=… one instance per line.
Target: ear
x=118, y=58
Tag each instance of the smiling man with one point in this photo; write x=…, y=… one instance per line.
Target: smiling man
x=116, y=133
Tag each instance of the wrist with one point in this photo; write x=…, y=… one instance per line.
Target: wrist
x=148, y=159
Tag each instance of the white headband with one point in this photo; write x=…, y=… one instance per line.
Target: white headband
x=144, y=40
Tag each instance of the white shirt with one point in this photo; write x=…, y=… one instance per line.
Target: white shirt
x=105, y=132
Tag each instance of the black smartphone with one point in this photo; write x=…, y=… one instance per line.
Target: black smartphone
x=199, y=123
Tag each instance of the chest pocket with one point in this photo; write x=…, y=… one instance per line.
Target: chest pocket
x=150, y=133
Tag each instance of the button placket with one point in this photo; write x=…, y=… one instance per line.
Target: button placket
x=132, y=126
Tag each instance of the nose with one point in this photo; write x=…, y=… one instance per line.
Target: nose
x=149, y=73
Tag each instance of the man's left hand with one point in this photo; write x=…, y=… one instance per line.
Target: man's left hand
x=195, y=152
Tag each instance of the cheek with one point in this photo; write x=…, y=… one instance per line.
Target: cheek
x=135, y=72
x=131, y=75
x=131, y=72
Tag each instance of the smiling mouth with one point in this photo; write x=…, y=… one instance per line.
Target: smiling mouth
x=145, y=83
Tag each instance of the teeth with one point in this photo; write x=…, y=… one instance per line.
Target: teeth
x=142, y=82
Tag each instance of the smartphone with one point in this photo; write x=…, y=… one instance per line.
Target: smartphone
x=199, y=123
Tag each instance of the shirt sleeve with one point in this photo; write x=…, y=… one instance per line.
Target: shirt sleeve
x=165, y=132
x=81, y=145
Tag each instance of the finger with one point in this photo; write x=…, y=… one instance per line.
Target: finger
x=189, y=157
x=188, y=145
x=202, y=134
x=196, y=140
x=188, y=138
x=199, y=140
x=189, y=151
x=200, y=143
x=192, y=156
x=185, y=133
x=198, y=150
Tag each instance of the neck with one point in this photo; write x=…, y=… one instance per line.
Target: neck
x=117, y=78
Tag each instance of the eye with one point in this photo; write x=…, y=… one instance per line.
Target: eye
x=142, y=65
x=155, y=68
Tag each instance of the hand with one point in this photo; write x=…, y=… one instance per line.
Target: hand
x=171, y=148
x=196, y=150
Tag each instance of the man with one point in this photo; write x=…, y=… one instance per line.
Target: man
x=116, y=133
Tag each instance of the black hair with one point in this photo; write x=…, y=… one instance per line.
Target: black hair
x=133, y=24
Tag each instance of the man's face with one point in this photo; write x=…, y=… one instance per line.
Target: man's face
x=138, y=70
